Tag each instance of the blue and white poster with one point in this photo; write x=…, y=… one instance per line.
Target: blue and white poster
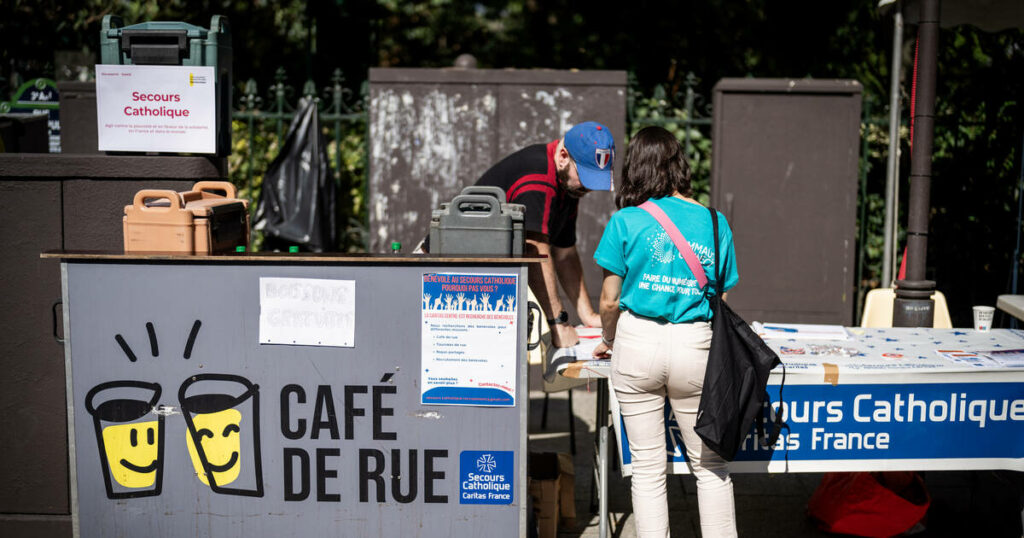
x=871, y=427
x=486, y=477
x=468, y=339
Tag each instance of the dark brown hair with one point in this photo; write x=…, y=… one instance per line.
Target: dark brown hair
x=655, y=167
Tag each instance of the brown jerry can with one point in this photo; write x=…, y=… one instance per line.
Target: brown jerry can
x=198, y=221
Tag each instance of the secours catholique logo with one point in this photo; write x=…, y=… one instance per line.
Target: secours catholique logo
x=486, y=476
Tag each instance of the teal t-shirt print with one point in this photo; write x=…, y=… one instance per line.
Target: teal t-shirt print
x=657, y=282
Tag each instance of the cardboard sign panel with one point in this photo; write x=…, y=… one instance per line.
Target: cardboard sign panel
x=168, y=109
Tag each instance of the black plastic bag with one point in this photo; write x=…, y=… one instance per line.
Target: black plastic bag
x=297, y=204
x=735, y=379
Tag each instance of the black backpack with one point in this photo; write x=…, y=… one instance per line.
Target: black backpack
x=736, y=377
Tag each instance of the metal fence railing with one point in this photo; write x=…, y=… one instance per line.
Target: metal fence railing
x=260, y=125
x=684, y=112
x=688, y=114
x=260, y=121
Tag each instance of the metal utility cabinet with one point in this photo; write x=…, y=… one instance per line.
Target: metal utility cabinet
x=433, y=132
x=55, y=201
x=784, y=173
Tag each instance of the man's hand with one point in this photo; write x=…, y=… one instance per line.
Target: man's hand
x=570, y=274
x=602, y=351
x=545, y=288
x=593, y=320
x=563, y=335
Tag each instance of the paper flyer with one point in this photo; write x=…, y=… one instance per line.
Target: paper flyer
x=996, y=358
x=966, y=358
x=469, y=331
x=558, y=359
x=1007, y=358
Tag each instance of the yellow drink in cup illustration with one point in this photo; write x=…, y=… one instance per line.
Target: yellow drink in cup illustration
x=220, y=435
x=126, y=444
x=223, y=438
x=130, y=437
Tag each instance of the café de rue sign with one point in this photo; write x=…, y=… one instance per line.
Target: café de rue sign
x=150, y=108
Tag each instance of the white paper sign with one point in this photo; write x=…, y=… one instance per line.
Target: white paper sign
x=156, y=108
x=307, y=312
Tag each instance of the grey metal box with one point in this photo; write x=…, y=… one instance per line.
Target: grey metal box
x=478, y=221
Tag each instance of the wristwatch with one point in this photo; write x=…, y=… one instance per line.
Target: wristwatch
x=563, y=317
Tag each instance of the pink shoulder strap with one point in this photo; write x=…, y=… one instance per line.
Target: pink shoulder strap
x=680, y=242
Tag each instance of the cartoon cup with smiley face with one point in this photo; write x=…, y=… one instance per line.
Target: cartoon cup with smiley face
x=130, y=437
x=223, y=438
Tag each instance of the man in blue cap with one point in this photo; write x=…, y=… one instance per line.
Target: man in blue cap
x=549, y=179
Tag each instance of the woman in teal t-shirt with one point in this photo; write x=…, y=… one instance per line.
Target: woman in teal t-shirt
x=656, y=316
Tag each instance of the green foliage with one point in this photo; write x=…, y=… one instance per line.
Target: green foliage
x=442, y=29
x=874, y=163
x=658, y=110
x=251, y=154
x=254, y=150
x=264, y=32
x=977, y=160
x=978, y=133
x=352, y=203
x=974, y=170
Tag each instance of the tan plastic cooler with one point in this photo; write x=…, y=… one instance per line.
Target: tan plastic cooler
x=199, y=221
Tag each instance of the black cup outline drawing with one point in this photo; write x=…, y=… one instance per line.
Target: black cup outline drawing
x=111, y=413
x=210, y=403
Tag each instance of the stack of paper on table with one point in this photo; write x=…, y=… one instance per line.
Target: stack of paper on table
x=1005, y=358
x=571, y=357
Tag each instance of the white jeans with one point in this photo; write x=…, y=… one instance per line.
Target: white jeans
x=650, y=361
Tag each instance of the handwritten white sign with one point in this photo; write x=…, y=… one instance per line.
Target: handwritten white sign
x=156, y=108
x=307, y=312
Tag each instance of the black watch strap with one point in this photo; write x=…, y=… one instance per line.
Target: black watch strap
x=563, y=317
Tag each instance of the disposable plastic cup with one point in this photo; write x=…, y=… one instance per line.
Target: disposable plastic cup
x=983, y=317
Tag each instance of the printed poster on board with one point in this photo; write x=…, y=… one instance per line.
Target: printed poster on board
x=469, y=339
x=160, y=108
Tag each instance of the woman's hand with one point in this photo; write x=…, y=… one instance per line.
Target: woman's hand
x=611, y=289
x=602, y=351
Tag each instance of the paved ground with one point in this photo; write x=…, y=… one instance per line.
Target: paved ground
x=982, y=503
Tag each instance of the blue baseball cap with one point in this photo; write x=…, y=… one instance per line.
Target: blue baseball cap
x=592, y=146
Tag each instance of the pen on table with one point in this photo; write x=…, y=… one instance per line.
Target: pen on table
x=783, y=329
